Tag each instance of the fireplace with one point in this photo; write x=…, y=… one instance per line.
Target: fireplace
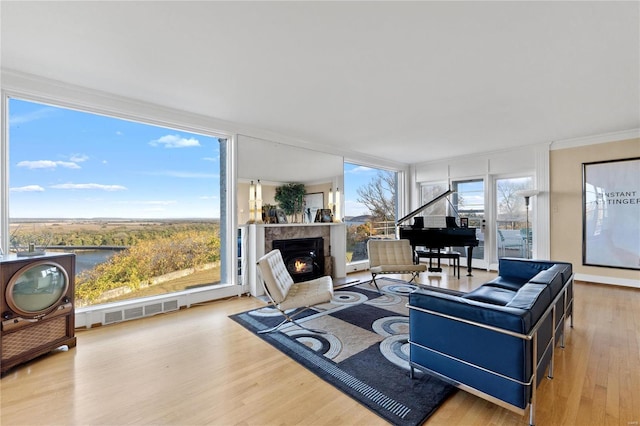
x=303, y=257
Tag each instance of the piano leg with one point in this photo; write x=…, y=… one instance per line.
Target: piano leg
x=469, y=257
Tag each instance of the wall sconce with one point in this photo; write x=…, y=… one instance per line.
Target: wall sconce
x=336, y=212
x=258, y=216
x=330, y=203
x=255, y=202
x=252, y=203
x=334, y=204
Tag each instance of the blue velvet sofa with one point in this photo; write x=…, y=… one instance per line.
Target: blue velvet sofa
x=498, y=340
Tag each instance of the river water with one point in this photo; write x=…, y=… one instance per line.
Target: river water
x=87, y=259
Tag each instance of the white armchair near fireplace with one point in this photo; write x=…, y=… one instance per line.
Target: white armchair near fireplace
x=259, y=239
x=285, y=295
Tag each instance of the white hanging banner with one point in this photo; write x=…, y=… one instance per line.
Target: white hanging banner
x=611, y=213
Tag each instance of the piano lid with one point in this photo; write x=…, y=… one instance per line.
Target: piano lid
x=419, y=209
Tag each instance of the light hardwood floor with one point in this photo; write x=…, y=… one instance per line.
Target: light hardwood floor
x=197, y=366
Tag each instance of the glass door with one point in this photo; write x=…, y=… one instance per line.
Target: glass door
x=513, y=224
x=468, y=200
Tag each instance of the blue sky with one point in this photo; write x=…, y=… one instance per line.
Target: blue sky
x=70, y=164
x=356, y=176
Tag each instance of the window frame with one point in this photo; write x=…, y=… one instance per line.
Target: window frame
x=400, y=199
x=71, y=97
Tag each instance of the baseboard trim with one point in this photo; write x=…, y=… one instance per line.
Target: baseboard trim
x=608, y=280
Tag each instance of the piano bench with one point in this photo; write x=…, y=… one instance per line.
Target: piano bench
x=440, y=254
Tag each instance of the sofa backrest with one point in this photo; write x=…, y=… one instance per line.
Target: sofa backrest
x=522, y=270
x=514, y=318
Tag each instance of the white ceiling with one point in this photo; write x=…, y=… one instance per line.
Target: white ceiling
x=405, y=82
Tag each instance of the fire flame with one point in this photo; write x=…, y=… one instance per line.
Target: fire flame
x=300, y=266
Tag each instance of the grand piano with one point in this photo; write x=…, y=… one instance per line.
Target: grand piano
x=435, y=239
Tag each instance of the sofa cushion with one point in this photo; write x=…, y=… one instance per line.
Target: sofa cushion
x=490, y=294
x=510, y=283
x=551, y=277
x=534, y=299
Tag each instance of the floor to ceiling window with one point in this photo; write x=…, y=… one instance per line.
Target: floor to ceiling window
x=370, y=207
x=139, y=204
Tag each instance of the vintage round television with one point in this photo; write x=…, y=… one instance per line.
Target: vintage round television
x=37, y=289
x=37, y=306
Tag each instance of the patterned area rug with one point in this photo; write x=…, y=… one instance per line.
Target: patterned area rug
x=364, y=352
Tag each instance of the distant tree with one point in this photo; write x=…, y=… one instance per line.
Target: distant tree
x=379, y=196
x=510, y=205
x=359, y=233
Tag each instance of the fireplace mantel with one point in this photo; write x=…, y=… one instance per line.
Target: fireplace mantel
x=259, y=237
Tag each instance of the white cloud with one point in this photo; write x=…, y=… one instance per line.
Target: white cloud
x=68, y=164
x=31, y=116
x=47, y=164
x=109, y=188
x=175, y=141
x=360, y=169
x=28, y=188
x=79, y=158
x=40, y=164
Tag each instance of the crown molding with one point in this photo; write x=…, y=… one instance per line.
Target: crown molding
x=595, y=139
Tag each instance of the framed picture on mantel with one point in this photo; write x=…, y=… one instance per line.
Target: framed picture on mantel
x=610, y=212
x=312, y=203
x=281, y=216
x=324, y=216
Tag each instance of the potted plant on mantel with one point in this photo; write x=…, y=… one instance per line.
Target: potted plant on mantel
x=290, y=197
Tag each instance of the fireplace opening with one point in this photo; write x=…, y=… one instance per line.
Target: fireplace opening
x=303, y=257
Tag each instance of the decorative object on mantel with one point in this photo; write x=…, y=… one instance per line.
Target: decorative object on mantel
x=290, y=197
x=269, y=213
x=312, y=203
x=255, y=202
x=324, y=216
